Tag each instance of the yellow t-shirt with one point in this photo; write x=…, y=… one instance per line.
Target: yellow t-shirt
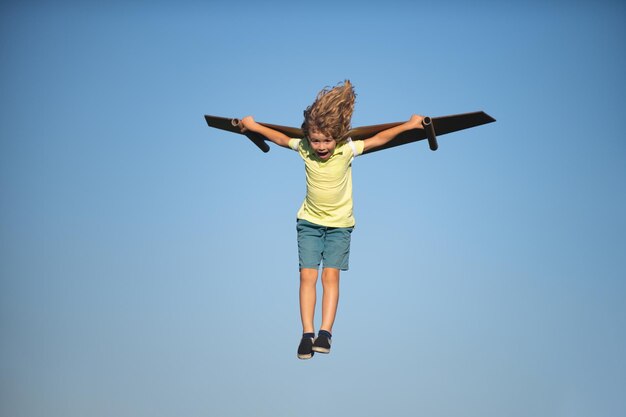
x=328, y=200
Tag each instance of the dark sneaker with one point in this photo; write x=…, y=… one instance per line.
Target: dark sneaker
x=322, y=344
x=305, y=350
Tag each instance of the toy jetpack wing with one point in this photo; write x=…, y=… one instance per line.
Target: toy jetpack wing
x=233, y=125
x=432, y=127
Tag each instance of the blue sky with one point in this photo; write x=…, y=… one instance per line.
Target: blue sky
x=148, y=263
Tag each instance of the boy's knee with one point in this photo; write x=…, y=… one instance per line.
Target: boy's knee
x=308, y=276
x=330, y=276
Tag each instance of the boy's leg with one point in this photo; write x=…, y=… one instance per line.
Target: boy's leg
x=308, y=281
x=335, y=259
x=330, y=299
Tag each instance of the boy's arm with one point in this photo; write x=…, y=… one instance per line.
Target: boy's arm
x=248, y=123
x=381, y=138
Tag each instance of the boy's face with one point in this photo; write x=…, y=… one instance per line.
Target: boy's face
x=323, y=145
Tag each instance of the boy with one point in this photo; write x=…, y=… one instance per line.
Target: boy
x=325, y=220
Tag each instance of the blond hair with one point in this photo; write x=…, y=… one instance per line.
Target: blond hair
x=331, y=112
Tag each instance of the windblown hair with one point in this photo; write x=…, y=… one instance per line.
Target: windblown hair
x=331, y=112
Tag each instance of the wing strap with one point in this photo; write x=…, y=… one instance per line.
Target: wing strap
x=354, y=152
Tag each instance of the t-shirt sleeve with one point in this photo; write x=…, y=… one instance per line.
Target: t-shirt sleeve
x=359, y=145
x=294, y=144
x=355, y=147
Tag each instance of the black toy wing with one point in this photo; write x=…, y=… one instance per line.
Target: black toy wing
x=233, y=125
x=441, y=125
x=435, y=126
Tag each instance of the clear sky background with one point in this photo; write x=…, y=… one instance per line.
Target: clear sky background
x=149, y=263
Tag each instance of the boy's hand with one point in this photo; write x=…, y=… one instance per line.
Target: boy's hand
x=416, y=121
x=249, y=124
x=246, y=123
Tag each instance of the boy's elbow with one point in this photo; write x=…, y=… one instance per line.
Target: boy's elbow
x=284, y=142
x=378, y=141
x=372, y=143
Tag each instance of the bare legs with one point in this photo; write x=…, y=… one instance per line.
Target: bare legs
x=308, y=279
x=330, y=298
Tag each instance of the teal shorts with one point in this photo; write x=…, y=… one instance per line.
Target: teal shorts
x=317, y=245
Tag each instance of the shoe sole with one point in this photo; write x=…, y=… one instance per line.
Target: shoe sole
x=320, y=349
x=304, y=357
